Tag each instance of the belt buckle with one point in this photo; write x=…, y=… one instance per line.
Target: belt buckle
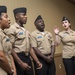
x=26, y=54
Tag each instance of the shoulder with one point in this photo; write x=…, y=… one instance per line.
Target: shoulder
x=10, y=30
x=73, y=31
x=61, y=33
x=34, y=32
x=28, y=33
x=1, y=35
x=12, y=27
x=49, y=33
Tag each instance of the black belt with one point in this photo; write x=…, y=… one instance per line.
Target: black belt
x=47, y=54
x=26, y=54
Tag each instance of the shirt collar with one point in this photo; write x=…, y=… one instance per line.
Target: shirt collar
x=69, y=31
x=38, y=32
x=16, y=24
x=1, y=30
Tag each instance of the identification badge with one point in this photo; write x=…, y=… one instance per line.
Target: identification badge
x=39, y=36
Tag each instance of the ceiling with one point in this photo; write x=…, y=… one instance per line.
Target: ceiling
x=72, y=1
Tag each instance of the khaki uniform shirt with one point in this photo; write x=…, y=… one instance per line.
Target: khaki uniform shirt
x=20, y=38
x=6, y=47
x=68, y=40
x=42, y=41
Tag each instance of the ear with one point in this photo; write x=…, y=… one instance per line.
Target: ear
x=0, y=20
x=17, y=16
x=70, y=24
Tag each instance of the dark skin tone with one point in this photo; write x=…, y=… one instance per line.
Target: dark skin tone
x=4, y=23
x=21, y=19
x=40, y=26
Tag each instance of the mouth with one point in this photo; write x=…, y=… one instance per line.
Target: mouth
x=25, y=20
x=42, y=25
x=64, y=26
x=9, y=23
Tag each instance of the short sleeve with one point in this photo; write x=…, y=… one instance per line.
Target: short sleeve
x=33, y=40
x=11, y=34
x=51, y=38
x=60, y=35
x=1, y=47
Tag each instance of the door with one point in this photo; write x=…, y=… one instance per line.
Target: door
x=60, y=70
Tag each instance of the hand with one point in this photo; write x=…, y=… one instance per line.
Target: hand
x=52, y=56
x=39, y=65
x=25, y=66
x=12, y=72
x=15, y=73
x=56, y=30
x=48, y=59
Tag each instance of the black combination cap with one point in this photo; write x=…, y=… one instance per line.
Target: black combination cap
x=20, y=10
x=64, y=18
x=3, y=9
x=39, y=17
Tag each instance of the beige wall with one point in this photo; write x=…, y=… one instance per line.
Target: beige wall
x=52, y=12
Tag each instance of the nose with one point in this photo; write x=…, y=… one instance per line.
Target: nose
x=42, y=22
x=25, y=16
x=9, y=20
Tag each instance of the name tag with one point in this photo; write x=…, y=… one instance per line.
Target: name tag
x=39, y=36
x=7, y=40
x=20, y=33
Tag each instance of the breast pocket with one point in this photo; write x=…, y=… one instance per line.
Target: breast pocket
x=50, y=40
x=39, y=41
x=20, y=35
x=6, y=45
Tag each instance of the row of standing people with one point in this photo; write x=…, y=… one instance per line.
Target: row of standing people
x=16, y=41
x=39, y=45
x=19, y=47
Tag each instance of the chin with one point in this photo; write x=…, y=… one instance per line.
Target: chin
x=24, y=23
x=8, y=26
x=65, y=28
